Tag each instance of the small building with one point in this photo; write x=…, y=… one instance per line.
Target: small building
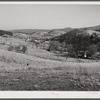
x=83, y=54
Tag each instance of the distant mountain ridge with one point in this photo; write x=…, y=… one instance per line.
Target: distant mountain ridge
x=32, y=31
x=27, y=31
x=42, y=33
x=51, y=33
x=67, y=29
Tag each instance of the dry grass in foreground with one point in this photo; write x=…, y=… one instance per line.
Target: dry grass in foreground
x=23, y=72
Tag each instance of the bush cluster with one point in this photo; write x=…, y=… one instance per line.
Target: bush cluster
x=19, y=48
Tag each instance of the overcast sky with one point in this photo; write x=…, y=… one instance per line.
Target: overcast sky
x=48, y=16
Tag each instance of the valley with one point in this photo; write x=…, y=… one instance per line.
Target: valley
x=41, y=69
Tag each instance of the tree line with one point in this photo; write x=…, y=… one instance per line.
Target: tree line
x=79, y=43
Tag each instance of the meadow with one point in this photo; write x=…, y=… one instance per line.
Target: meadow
x=40, y=70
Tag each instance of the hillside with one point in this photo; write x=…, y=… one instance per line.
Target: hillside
x=41, y=70
x=95, y=28
x=3, y=32
x=29, y=31
x=58, y=32
x=29, y=73
x=42, y=33
x=52, y=33
x=87, y=30
x=39, y=30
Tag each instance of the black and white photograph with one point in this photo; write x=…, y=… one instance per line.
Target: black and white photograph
x=49, y=47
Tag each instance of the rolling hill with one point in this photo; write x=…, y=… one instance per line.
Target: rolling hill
x=29, y=31
x=41, y=70
x=95, y=28
x=86, y=30
x=53, y=33
x=3, y=32
x=42, y=33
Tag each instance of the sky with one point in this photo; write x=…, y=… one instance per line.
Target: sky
x=47, y=16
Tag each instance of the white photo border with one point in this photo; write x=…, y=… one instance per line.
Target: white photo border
x=50, y=94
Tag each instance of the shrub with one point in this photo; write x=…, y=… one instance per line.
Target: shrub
x=10, y=48
x=24, y=49
x=19, y=48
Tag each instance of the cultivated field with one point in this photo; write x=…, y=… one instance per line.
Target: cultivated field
x=41, y=70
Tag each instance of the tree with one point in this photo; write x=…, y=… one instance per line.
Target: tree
x=81, y=42
x=98, y=44
x=93, y=49
x=53, y=45
x=71, y=51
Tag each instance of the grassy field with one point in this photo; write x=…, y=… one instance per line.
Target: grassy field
x=41, y=71
x=24, y=72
